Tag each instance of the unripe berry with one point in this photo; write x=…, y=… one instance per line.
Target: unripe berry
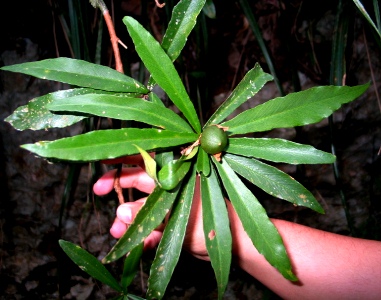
x=213, y=139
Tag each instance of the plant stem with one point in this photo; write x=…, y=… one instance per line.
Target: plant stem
x=111, y=29
x=119, y=67
x=114, y=41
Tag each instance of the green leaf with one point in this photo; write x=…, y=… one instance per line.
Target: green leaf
x=259, y=228
x=36, y=116
x=108, y=144
x=172, y=174
x=217, y=233
x=203, y=163
x=183, y=20
x=162, y=69
x=253, y=81
x=296, y=109
x=210, y=9
x=90, y=264
x=168, y=252
x=273, y=181
x=131, y=266
x=151, y=214
x=123, y=108
x=80, y=73
x=367, y=17
x=278, y=150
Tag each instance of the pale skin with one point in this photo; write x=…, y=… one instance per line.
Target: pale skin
x=328, y=266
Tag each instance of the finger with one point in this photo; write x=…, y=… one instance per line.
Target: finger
x=153, y=239
x=125, y=215
x=129, y=178
x=126, y=212
x=118, y=228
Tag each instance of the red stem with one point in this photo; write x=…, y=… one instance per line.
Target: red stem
x=114, y=41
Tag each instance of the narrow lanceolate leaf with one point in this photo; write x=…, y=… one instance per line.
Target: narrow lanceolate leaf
x=259, y=228
x=253, y=81
x=168, y=252
x=35, y=115
x=90, y=264
x=123, y=108
x=273, y=181
x=279, y=150
x=217, y=233
x=131, y=266
x=80, y=73
x=366, y=15
x=296, y=109
x=183, y=20
x=162, y=70
x=203, y=162
x=108, y=144
x=152, y=213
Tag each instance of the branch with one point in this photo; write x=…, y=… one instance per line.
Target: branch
x=119, y=67
x=111, y=29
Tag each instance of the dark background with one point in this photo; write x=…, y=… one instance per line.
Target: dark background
x=299, y=38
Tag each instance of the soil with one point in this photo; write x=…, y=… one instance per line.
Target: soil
x=34, y=214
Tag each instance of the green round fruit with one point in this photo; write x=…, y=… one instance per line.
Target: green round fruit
x=213, y=139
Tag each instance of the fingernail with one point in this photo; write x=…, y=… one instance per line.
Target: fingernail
x=124, y=214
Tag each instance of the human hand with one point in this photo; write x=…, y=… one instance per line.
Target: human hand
x=136, y=177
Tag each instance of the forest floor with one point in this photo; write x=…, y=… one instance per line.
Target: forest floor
x=32, y=266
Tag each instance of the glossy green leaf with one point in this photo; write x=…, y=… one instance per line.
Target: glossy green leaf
x=131, y=266
x=80, y=73
x=295, y=109
x=253, y=81
x=123, y=108
x=152, y=213
x=183, y=20
x=203, y=162
x=278, y=150
x=259, y=228
x=217, y=233
x=108, y=144
x=162, y=70
x=210, y=9
x=362, y=9
x=273, y=181
x=36, y=116
x=90, y=264
x=168, y=252
x=173, y=173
